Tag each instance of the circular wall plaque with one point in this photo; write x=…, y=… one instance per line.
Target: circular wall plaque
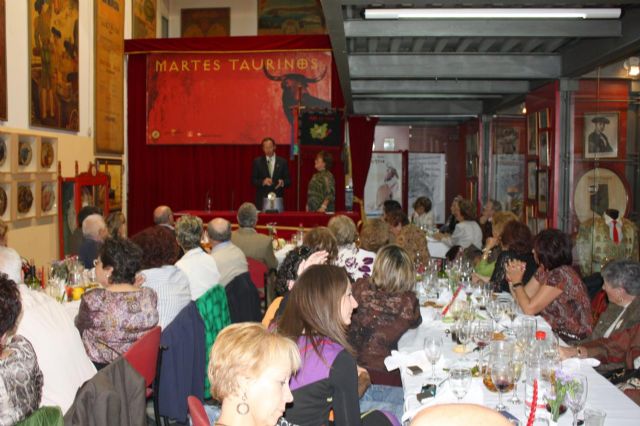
x=597, y=190
x=25, y=199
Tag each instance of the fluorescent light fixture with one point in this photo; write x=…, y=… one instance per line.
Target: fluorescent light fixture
x=632, y=65
x=504, y=13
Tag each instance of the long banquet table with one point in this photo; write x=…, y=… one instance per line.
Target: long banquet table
x=601, y=393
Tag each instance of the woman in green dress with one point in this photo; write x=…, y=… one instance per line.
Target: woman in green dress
x=321, y=195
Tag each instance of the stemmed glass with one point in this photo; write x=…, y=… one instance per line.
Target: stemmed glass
x=482, y=332
x=517, y=362
x=433, y=350
x=465, y=332
x=460, y=381
x=494, y=310
x=502, y=378
x=576, y=395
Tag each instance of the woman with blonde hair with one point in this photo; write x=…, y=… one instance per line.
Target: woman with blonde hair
x=316, y=317
x=117, y=225
x=249, y=371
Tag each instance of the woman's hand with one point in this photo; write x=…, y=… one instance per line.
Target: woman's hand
x=514, y=271
x=491, y=243
x=568, y=352
x=317, y=258
x=477, y=279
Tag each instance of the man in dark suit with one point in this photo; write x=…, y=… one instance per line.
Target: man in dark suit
x=598, y=141
x=269, y=172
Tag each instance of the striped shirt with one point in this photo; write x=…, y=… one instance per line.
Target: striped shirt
x=172, y=287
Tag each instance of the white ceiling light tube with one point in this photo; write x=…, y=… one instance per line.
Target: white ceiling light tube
x=498, y=13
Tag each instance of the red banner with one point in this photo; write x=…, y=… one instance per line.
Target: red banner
x=232, y=98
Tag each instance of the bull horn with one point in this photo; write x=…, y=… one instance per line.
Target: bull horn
x=318, y=78
x=271, y=76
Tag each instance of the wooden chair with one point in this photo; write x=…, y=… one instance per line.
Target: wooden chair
x=258, y=273
x=196, y=411
x=144, y=356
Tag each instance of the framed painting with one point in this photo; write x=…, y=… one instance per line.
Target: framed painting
x=290, y=17
x=601, y=135
x=114, y=169
x=507, y=140
x=532, y=134
x=212, y=22
x=543, y=192
x=532, y=170
x=3, y=62
x=144, y=19
x=54, y=64
x=543, y=147
x=543, y=118
x=530, y=218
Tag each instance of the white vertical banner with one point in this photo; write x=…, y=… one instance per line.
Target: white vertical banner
x=427, y=179
x=384, y=181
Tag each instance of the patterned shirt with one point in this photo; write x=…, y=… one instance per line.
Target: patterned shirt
x=321, y=186
x=357, y=262
x=110, y=322
x=570, y=313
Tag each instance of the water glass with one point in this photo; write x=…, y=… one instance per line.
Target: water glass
x=576, y=395
x=594, y=417
x=465, y=332
x=433, y=350
x=460, y=381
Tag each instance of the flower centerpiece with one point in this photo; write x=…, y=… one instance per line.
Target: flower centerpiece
x=562, y=384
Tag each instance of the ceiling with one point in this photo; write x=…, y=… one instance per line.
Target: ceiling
x=448, y=70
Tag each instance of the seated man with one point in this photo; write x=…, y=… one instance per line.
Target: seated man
x=199, y=267
x=230, y=259
x=253, y=244
x=76, y=236
x=163, y=216
x=94, y=231
x=45, y=323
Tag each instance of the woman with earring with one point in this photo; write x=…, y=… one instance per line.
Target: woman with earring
x=317, y=315
x=249, y=371
x=112, y=318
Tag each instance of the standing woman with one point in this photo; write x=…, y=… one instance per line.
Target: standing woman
x=316, y=317
x=321, y=194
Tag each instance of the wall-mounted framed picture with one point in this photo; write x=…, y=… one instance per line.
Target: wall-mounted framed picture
x=48, y=154
x=27, y=157
x=543, y=118
x=530, y=218
x=507, y=140
x=600, y=189
x=209, y=22
x=54, y=64
x=532, y=134
x=290, y=17
x=47, y=193
x=601, y=135
x=544, y=148
x=6, y=201
x=543, y=192
x=144, y=18
x=6, y=152
x=114, y=169
x=24, y=192
x=532, y=179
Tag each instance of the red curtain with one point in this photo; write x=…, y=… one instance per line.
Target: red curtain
x=361, y=133
x=181, y=176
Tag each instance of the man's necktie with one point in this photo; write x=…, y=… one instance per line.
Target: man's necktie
x=270, y=163
x=616, y=237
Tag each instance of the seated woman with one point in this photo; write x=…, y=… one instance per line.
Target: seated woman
x=316, y=316
x=249, y=371
x=491, y=250
x=20, y=376
x=423, y=216
x=374, y=235
x=356, y=261
x=408, y=236
x=556, y=291
x=117, y=225
x=467, y=231
x=516, y=243
x=620, y=349
x=387, y=308
x=622, y=285
x=158, y=272
x=112, y=318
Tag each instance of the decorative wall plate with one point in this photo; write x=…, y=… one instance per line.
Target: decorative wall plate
x=48, y=197
x=25, y=199
x=47, y=154
x=25, y=152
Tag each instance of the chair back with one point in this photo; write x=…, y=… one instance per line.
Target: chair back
x=257, y=271
x=196, y=411
x=143, y=355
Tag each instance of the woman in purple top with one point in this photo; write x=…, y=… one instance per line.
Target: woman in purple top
x=112, y=318
x=316, y=316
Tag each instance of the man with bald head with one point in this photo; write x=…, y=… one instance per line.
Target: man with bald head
x=230, y=259
x=163, y=216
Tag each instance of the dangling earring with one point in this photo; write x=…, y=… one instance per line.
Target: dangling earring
x=243, y=408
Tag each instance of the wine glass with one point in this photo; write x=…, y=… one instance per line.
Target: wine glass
x=433, y=350
x=465, y=332
x=460, y=381
x=493, y=309
x=576, y=395
x=502, y=378
x=482, y=332
x=517, y=362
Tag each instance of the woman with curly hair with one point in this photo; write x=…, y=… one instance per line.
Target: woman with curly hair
x=20, y=376
x=112, y=318
x=158, y=272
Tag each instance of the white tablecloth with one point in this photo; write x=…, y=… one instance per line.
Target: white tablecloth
x=601, y=393
x=437, y=248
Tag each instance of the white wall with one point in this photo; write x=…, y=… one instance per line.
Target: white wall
x=244, y=14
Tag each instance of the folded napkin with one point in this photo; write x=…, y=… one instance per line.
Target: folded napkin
x=402, y=359
x=444, y=395
x=572, y=365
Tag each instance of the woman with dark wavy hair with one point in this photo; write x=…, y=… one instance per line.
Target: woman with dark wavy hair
x=516, y=243
x=556, y=291
x=112, y=318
